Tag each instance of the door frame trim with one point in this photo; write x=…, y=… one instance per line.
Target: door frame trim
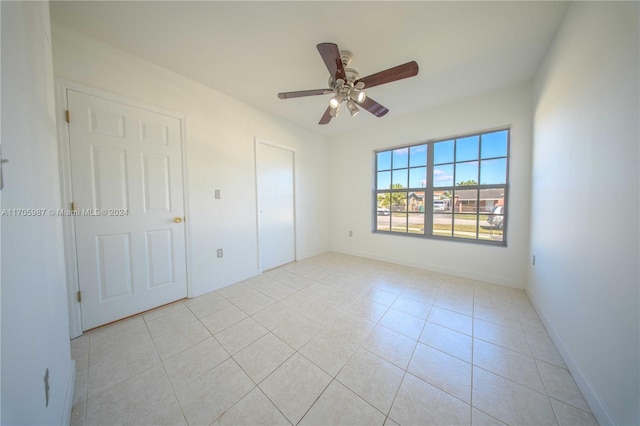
x=257, y=142
x=66, y=189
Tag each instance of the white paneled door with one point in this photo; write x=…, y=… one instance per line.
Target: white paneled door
x=275, y=173
x=126, y=167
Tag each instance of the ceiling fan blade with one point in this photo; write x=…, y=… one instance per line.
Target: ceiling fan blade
x=373, y=107
x=301, y=93
x=407, y=70
x=331, y=56
x=326, y=117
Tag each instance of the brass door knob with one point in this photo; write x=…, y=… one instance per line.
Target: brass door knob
x=177, y=219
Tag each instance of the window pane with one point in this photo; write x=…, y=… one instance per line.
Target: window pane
x=452, y=178
x=400, y=178
x=492, y=224
x=442, y=224
x=398, y=202
x=400, y=158
x=399, y=222
x=418, y=177
x=443, y=175
x=416, y=202
x=493, y=171
x=384, y=160
x=418, y=156
x=384, y=223
x=442, y=201
x=490, y=199
x=494, y=144
x=416, y=223
x=491, y=228
x=467, y=148
x=384, y=180
x=466, y=201
x=467, y=173
x=465, y=225
x=443, y=152
x=383, y=213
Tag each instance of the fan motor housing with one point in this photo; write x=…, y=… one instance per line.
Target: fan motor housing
x=350, y=87
x=350, y=74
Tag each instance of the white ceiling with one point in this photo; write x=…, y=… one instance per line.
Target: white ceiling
x=253, y=50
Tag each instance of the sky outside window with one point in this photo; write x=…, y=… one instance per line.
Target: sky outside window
x=466, y=181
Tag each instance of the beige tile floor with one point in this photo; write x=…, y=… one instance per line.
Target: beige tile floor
x=330, y=340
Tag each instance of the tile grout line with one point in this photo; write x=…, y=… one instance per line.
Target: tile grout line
x=340, y=270
x=473, y=366
x=296, y=351
x=473, y=318
x=124, y=380
x=256, y=385
x=239, y=399
x=86, y=390
x=317, y=398
x=334, y=378
x=544, y=386
x=173, y=390
x=406, y=369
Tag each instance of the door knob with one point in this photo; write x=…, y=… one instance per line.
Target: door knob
x=177, y=219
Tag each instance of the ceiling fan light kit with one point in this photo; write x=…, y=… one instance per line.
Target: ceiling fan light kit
x=335, y=101
x=346, y=86
x=353, y=109
x=334, y=111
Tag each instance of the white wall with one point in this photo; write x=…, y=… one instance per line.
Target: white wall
x=220, y=134
x=35, y=327
x=352, y=182
x=585, y=209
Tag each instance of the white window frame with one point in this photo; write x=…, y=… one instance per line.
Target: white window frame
x=429, y=189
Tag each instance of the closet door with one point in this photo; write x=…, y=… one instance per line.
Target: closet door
x=276, y=205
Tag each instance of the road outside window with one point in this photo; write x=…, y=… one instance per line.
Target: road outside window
x=452, y=189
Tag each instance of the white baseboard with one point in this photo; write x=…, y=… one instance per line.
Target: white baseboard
x=598, y=408
x=68, y=399
x=438, y=269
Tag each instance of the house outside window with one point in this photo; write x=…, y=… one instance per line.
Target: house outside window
x=466, y=179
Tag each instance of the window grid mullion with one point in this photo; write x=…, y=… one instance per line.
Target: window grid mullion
x=428, y=193
x=455, y=192
x=429, y=188
x=478, y=189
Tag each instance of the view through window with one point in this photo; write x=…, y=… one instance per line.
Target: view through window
x=454, y=188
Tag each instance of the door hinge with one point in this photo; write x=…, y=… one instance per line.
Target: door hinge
x=73, y=206
x=79, y=297
x=67, y=116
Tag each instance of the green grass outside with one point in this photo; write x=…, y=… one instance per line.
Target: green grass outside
x=470, y=216
x=466, y=228
x=446, y=229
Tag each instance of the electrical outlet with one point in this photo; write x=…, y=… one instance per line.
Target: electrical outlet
x=217, y=195
x=351, y=233
x=220, y=253
x=533, y=260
